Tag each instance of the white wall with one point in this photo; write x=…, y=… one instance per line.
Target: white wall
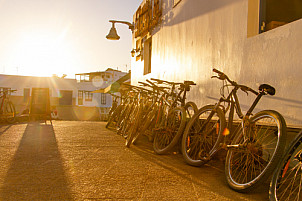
x=198, y=35
x=99, y=83
x=55, y=84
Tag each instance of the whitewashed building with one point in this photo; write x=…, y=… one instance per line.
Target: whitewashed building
x=72, y=98
x=252, y=41
x=87, y=83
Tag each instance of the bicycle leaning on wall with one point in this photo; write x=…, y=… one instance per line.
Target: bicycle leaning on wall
x=7, y=109
x=254, y=146
x=286, y=183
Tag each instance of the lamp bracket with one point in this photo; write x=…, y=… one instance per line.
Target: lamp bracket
x=131, y=26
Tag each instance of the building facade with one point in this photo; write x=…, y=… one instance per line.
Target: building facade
x=87, y=83
x=252, y=41
x=71, y=98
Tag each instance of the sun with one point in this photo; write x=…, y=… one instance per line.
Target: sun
x=42, y=53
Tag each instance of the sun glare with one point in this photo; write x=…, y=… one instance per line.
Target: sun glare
x=42, y=54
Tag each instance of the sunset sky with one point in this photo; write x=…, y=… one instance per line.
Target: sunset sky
x=42, y=38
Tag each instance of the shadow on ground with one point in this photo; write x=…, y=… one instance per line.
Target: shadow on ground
x=212, y=174
x=36, y=171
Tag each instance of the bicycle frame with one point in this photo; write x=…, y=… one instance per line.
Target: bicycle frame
x=234, y=105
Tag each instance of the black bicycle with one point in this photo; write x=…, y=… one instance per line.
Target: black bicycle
x=286, y=183
x=255, y=144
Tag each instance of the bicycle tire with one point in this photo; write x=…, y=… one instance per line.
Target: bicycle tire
x=191, y=109
x=197, y=145
x=135, y=120
x=9, y=112
x=150, y=118
x=113, y=117
x=258, y=159
x=286, y=180
x=166, y=138
x=125, y=121
x=113, y=107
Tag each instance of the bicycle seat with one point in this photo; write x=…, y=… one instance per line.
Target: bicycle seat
x=189, y=83
x=267, y=89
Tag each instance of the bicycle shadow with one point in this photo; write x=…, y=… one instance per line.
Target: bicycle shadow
x=210, y=176
x=36, y=171
x=4, y=128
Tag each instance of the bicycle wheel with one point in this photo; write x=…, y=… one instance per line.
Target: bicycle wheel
x=167, y=137
x=9, y=112
x=146, y=124
x=287, y=179
x=260, y=149
x=113, y=107
x=114, y=117
x=191, y=109
x=201, y=136
x=134, y=124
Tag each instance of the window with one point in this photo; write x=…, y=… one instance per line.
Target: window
x=83, y=77
x=147, y=56
x=265, y=15
x=80, y=97
x=103, y=99
x=88, y=96
x=26, y=95
x=276, y=13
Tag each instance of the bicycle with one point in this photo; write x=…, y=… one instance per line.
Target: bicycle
x=253, y=148
x=286, y=183
x=114, y=105
x=171, y=115
x=137, y=115
x=156, y=111
x=117, y=114
x=7, y=109
x=181, y=96
x=146, y=116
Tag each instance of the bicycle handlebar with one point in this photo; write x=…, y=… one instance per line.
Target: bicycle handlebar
x=145, y=84
x=141, y=89
x=223, y=76
x=164, y=81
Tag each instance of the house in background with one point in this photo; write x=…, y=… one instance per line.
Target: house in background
x=252, y=41
x=62, y=91
x=87, y=83
x=71, y=98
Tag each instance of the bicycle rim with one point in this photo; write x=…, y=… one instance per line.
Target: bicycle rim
x=135, y=125
x=113, y=117
x=262, y=148
x=200, y=137
x=145, y=125
x=286, y=183
x=132, y=125
x=167, y=137
x=191, y=109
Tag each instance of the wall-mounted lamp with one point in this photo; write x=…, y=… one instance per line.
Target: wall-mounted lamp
x=112, y=35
